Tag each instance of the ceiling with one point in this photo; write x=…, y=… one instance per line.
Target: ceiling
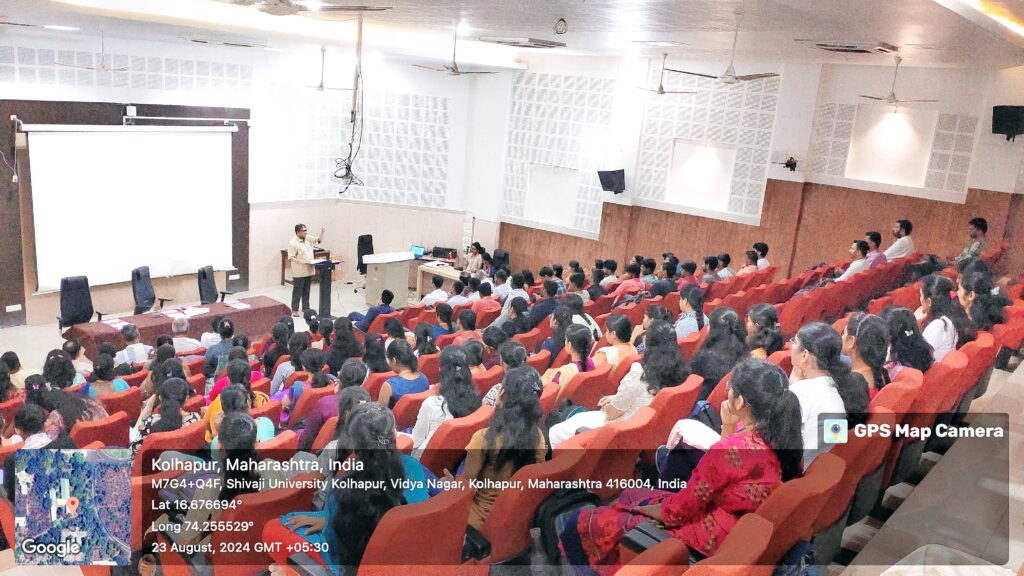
x=945, y=33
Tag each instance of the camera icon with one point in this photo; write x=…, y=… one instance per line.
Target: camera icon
x=836, y=431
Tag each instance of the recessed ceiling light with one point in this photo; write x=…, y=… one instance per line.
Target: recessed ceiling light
x=660, y=43
x=314, y=5
x=61, y=28
x=462, y=28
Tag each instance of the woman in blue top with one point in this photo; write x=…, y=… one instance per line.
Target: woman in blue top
x=235, y=398
x=444, y=320
x=409, y=379
x=347, y=522
x=103, y=381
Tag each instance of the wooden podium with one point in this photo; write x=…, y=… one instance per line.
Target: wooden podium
x=389, y=270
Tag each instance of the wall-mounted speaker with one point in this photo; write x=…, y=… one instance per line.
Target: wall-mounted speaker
x=1008, y=121
x=612, y=180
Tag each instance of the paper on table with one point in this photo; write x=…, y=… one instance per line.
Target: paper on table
x=116, y=323
x=174, y=314
x=190, y=312
x=238, y=305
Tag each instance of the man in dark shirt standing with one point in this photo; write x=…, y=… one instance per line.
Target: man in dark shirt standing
x=542, y=309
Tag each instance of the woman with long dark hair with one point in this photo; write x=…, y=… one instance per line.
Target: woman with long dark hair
x=560, y=319
x=424, y=334
x=7, y=389
x=727, y=335
x=164, y=412
x=103, y=380
x=513, y=439
x=236, y=398
x=238, y=374
x=662, y=367
x=578, y=339
x=653, y=312
x=518, y=322
x=65, y=408
x=444, y=320
x=408, y=378
x=692, y=318
x=979, y=297
x=297, y=344
x=375, y=356
x=59, y=371
x=907, y=347
x=275, y=348
x=764, y=334
x=456, y=397
x=732, y=479
x=944, y=324
x=824, y=384
x=619, y=331
x=344, y=346
x=866, y=343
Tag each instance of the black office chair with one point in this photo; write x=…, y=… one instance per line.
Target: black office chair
x=142, y=289
x=208, y=286
x=364, y=247
x=75, y=302
x=499, y=258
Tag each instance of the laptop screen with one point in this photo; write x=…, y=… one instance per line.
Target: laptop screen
x=417, y=251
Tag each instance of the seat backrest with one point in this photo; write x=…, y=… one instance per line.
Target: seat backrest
x=306, y=401
x=75, y=300
x=720, y=393
x=793, y=507
x=492, y=376
x=377, y=326
x=270, y=410
x=10, y=408
x=281, y=447
x=136, y=379
x=191, y=437
x=617, y=458
x=142, y=289
x=540, y=360
x=398, y=541
x=111, y=431
x=586, y=388
x=129, y=401
x=855, y=454
x=430, y=366
x=783, y=359
x=487, y=317
x=207, y=285
x=549, y=397
x=375, y=380
x=326, y=434
x=447, y=447
x=529, y=339
x=408, y=407
x=742, y=550
x=940, y=381
x=671, y=405
x=620, y=369
x=899, y=395
x=295, y=376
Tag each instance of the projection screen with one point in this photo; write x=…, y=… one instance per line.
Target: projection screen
x=105, y=202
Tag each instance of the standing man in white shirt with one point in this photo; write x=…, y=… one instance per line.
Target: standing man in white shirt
x=904, y=244
x=859, y=252
x=300, y=253
x=438, y=295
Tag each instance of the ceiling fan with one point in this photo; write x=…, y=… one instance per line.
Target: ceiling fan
x=661, y=81
x=453, y=68
x=289, y=7
x=730, y=77
x=103, y=67
x=320, y=86
x=891, y=98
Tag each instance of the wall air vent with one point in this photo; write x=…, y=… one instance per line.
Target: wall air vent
x=852, y=47
x=522, y=42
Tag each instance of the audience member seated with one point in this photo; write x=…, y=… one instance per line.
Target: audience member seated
x=467, y=328
x=344, y=346
x=662, y=367
x=235, y=353
x=458, y=296
x=238, y=373
x=297, y=344
x=518, y=322
x=134, y=352
x=907, y=346
x=493, y=339
x=16, y=372
x=859, y=253
x=579, y=341
x=977, y=228
x=473, y=289
x=122, y=369
x=610, y=267
x=237, y=399
x=207, y=339
x=7, y=389
x=352, y=374
x=76, y=352
x=502, y=287
x=313, y=363
x=216, y=355
x=424, y=335
x=647, y=267
x=710, y=270
x=64, y=409
x=596, y=288
x=751, y=264
x=762, y=255
x=409, y=380
x=394, y=330
x=577, y=282
x=518, y=282
x=444, y=320
x=182, y=343
x=687, y=275
x=486, y=303
x=981, y=300
x=363, y=321
x=163, y=412
x=691, y=318
x=875, y=256
x=513, y=355
x=340, y=446
x=764, y=335
x=475, y=260
x=579, y=316
x=735, y=476
x=103, y=380
x=725, y=345
x=59, y=371
x=664, y=283
x=474, y=350
x=163, y=353
x=866, y=343
x=456, y=397
x=437, y=295
x=653, y=312
x=824, y=384
x=276, y=347
x=630, y=284
x=946, y=326
x=543, y=308
x=375, y=355
x=619, y=332
x=547, y=273
x=513, y=440
x=28, y=426
x=560, y=321
x=344, y=526
x=724, y=271
x=904, y=244
x=559, y=272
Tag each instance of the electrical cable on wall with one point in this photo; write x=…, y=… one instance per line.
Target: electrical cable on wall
x=344, y=165
x=14, y=170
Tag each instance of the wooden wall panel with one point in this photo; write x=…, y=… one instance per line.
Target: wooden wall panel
x=1013, y=261
x=834, y=216
x=533, y=248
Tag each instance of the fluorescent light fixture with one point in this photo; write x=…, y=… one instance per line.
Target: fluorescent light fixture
x=997, y=14
x=61, y=28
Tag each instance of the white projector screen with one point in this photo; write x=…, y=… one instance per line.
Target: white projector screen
x=107, y=202
x=891, y=147
x=700, y=175
x=551, y=195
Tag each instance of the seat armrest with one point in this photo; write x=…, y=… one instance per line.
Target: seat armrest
x=164, y=300
x=224, y=294
x=475, y=546
x=100, y=315
x=304, y=565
